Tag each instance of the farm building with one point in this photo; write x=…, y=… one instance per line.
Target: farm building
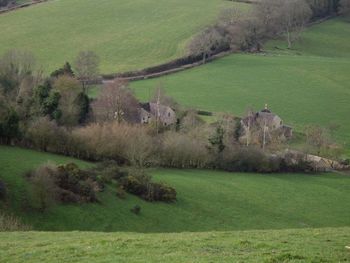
x=268, y=121
x=150, y=111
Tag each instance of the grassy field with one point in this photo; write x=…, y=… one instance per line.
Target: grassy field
x=207, y=201
x=308, y=85
x=127, y=35
x=306, y=245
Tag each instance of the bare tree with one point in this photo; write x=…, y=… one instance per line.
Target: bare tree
x=87, y=67
x=289, y=17
x=318, y=138
x=16, y=66
x=344, y=7
x=296, y=15
x=205, y=43
x=116, y=102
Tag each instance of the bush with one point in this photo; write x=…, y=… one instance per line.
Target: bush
x=108, y=171
x=80, y=183
x=121, y=192
x=44, y=190
x=11, y=223
x=136, y=209
x=294, y=162
x=3, y=190
x=244, y=159
x=182, y=150
x=161, y=192
x=136, y=185
x=140, y=184
x=64, y=183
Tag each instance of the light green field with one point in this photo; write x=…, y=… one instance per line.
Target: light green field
x=309, y=85
x=207, y=201
x=276, y=246
x=127, y=35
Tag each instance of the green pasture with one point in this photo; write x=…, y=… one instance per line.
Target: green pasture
x=207, y=201
x=126, y=35
x=301, y=245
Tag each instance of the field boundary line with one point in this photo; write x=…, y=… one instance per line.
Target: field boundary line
x=14, y=8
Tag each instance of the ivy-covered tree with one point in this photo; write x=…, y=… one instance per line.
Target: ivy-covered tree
x=83, y=103
x=9, y=125
x=217, y=140
x=65, y=70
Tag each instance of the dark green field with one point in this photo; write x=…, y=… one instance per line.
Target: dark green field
x=207, y=201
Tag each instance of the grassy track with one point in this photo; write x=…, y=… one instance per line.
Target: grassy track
x=307, y=85
x=127, y=35
x=303, y=245
x=207, y=201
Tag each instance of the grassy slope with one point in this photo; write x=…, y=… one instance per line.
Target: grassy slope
x=306, y=245
x=308, y=85
x=14, y=162
x=207, y=201
x=127, y=35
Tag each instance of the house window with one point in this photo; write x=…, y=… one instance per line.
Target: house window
x=168, y=114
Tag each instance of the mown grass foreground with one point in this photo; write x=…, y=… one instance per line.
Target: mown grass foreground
x=303, y=245
x=127, y=35
x=306, y=85
x=207, y=201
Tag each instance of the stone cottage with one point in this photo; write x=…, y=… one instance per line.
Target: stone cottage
x=268, y=121
x=150, y=111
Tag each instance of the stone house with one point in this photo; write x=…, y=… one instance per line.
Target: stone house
x=268, y=121
x=149, y=112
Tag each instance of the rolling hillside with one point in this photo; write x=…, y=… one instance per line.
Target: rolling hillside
x=308, y=85
x=207, y=201
x=303, y=245
x=127, y=35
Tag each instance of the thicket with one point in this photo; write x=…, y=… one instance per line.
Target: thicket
x=11, y=223
x=52, y=184
x=54, y=114
x=3, y=190
x=134, y=181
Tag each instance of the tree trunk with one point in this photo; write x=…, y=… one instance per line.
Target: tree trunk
x=289, y=39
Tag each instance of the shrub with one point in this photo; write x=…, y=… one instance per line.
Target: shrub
x=108, y=171
x=65, y=183
x=184, y=151
x=345, y=162
x=80, y=183
x=136, y=209
x=141, y=185
x=43, y=133
x=161, y=192
x=134, y=185
x=44, y=189
x=243, y=159
x=11, y=223
x=3, y=190
x=121, y=192
x=294, y=162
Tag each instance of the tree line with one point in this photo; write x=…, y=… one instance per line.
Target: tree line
x=247, y=31
x=55, y=114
